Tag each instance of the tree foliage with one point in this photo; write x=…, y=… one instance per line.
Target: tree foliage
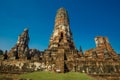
x=1, y=52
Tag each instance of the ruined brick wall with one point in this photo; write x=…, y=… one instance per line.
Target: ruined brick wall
x=103, y=49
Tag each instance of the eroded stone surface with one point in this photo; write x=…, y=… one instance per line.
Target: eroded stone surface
x=21, y=49
x=103, y=49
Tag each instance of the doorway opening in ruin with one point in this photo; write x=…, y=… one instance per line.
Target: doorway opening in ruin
x=16, y=56
x=61, y=35
x=66, y=68
x=65, y=57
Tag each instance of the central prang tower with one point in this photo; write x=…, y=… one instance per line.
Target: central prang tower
x=61, y=48
x=62, y=36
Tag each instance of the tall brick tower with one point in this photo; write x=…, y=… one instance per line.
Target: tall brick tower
x=61, y=36
x=61, y=47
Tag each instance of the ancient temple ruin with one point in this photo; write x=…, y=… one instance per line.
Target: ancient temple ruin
x=21, y=48
x=103, y=49
x=61, y=47
x=62, y=55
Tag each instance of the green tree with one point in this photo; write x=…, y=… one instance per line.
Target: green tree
x=1, y=52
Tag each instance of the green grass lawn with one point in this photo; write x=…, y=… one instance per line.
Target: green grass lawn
x=55, y=76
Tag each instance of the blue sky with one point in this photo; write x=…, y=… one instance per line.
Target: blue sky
x=88, y=18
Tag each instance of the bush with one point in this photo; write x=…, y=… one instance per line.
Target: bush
x=1, y=52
